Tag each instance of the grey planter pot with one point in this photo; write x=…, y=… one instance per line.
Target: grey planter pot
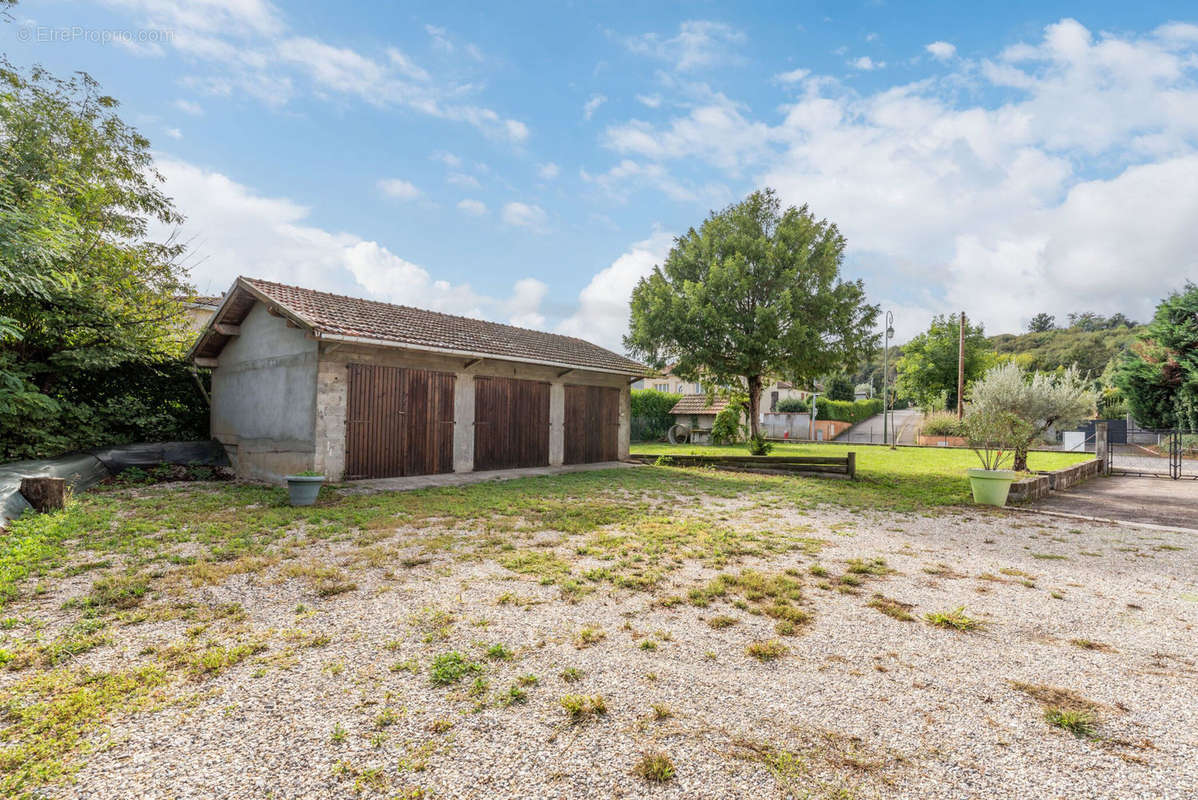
x=303, y=489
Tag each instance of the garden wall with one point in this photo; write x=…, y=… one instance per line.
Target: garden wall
x=1044, y=484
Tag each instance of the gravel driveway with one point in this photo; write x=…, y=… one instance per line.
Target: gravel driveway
x=353, y=694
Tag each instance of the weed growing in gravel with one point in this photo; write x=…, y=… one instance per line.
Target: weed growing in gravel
x=1079, y=723
x=571, y=674
x=662, y=711
x=589, y=636
x=1090, y=644
x=116, y=592
x=386, y=718
x=339, y=733
x=450, y=668
x=722, y=621
x=581, y=707
x=770, y=650
x=497, y=652
x=441, y=726
x=656, y=767
x=527, y=680
x=512, y=696
x=871, y=566
x=818, y=571
x=892, y=608
x=480, y=687
x=955, y=619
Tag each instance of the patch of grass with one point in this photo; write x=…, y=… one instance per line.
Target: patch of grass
x=954, y=620
x=441, y=725
x=571, y=675
x=655, y=767
x=498, y=652
x=589, y=636
x=892, y=608
x=870, y=566
x=770, y=650
x=661, y=711
x=1050, y=557
x=1079, y=723
x=722, y=621
x=581, y=707
x=648, y=644
x=451, y=667
x=326, y=580
x=1090, y=644
x=514, y=695
x=116, y=592
x=339, y=734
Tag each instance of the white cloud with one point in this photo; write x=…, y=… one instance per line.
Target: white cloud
x=866, y=63
x=448, y=159
x=548, y=171
x=234, y=231
x=525, y=215
x=174, y=133
x=398, y=188
x=463, y=180
x=649, y=100
x=697, y=45
x=248, y=47
x=941, y=50
x=1041, y=201
x=524, y=306
x=189, y=107
x=794, y=76
x=475, y=207
x=602, y=315
x=591, y=106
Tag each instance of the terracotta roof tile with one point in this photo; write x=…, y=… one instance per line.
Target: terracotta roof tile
x=383, y=322
x=697, y=404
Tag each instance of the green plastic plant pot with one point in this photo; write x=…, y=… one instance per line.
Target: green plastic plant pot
x=303, y=489
x=990, y=486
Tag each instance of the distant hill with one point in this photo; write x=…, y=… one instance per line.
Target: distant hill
x=1049, y=350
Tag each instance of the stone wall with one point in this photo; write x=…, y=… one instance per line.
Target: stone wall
x=1043, y=485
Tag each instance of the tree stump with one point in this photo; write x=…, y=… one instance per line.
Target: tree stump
x=44, y=494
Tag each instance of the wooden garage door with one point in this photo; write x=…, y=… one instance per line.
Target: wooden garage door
x=398, y=421
x=592, y=424
x=511, y=423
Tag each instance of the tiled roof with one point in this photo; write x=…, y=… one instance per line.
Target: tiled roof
x=697, y=404
x=338, y=315
x=200, y=299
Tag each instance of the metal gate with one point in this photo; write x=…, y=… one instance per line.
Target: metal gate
x=1164, y=453
x=511, y=423
x=592, y=424
x=398, y=422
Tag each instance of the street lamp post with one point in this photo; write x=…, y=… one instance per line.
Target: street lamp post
x=886, y=376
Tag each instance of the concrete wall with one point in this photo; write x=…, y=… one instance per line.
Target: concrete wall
x=1043, y=485
x=331, y=398
x=264, y=398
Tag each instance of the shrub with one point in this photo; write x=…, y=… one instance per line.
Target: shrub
x=942, y=423
x=650, y=412
x=792, y=405
x=759, y=445
x=656, y=767
x=727, y=427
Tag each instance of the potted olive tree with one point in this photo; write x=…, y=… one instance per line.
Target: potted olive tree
x=303, y=487
x=994, y=435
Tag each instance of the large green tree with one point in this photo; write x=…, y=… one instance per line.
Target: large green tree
x=756, y=291
x=1158, y=374
x=927, y=371
x=88, y=308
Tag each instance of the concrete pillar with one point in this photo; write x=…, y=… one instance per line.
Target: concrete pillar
x=557, y=423
x=329, y=430
x=463, y=422
x=1101, y=451
x=625, y=422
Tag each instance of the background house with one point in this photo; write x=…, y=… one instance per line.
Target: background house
x=307, y=380
x=199, y=309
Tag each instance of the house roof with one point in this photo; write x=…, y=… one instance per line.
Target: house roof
x=335, y=317
x=697, y=404
x=203, y=300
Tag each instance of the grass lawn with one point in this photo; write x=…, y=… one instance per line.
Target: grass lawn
x=630, y=632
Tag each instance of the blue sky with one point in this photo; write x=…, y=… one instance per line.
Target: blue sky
x=529, y=162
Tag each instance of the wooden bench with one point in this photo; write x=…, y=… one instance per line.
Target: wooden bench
x=827, y=465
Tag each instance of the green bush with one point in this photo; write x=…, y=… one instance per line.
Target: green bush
x=852, y=411
x=650, y=411
x=727, y=426
x=793, y=405
x=759, y=445
x=942, y=423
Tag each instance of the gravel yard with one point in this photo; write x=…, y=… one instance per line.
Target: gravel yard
x=634, y=633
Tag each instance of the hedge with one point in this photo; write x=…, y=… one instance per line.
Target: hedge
x=852, y=411
x=650, y=412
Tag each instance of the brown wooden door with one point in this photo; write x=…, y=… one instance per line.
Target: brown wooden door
x=398, y=422
x=592, y=427
x=511, y=423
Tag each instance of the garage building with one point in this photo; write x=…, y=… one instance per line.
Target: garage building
x=352, y=388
